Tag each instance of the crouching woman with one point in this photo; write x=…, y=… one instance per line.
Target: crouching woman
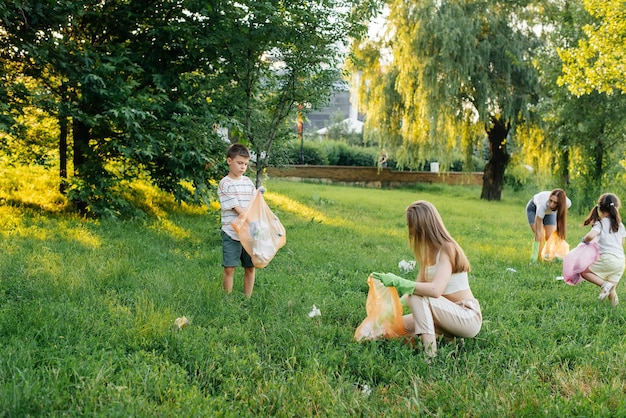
x=441, y=301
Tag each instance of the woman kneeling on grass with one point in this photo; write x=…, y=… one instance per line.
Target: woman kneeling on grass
x=441, y=300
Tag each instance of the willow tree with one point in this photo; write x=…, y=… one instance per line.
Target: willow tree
x=377, y=95
x=456, y=63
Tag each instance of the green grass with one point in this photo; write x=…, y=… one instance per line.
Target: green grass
x=87, y=312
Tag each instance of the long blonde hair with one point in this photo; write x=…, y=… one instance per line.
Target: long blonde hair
x=426, y=231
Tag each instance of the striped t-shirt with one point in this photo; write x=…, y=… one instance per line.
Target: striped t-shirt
x=234, y=192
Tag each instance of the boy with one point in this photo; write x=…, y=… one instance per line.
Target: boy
x=235, y=192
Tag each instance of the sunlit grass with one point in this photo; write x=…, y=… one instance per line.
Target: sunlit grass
x=299, y=209
x=172, y=229
x=353, y=220
x=31, y=186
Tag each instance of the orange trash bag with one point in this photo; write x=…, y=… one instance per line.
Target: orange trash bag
x=260, y=231
x=555, y=247
x=384, y=313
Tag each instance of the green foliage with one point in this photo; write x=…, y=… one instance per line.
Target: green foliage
x=335, y=151
x=340, y=153
x=87, y=312
x=143, y=90
x=328, y=152
x=582, y=141
x=34, y=142
x=378, y=94
x=136, y=98
x=518, y=177
x=283, y=58
x=307, y=152
x=340, y=130
x=457, y=67
x=596, y=62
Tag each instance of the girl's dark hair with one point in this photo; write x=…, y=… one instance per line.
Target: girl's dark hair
x=561, y=211
x=607, y=203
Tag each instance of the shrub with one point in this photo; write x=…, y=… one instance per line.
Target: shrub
x=518, y=176
x=329, y=152
x=312, y=153
x=358, y=156
x=335, y=151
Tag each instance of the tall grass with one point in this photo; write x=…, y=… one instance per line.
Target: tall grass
x=87, y=312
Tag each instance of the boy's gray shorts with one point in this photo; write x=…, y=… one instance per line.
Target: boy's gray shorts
x=233, y=253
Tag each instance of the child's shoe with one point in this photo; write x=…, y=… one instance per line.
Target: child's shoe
x=605, y=290
x=613, y=298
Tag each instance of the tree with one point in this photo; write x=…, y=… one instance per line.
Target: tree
x=128, y=82
x=281, y=57
x=377, y=94
x=140, y=86
x=585, y=132
x=597, y=60
x=455, y=62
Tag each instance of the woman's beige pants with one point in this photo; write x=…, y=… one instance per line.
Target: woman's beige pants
x=440, y=316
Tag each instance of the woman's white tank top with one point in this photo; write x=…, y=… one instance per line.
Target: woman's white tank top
x=458, y=281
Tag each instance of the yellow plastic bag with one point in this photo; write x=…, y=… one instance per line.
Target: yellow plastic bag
x=384, y=313
x=555, y=247
x=260, y=231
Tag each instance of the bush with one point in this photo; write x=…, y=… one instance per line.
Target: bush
x=518, y=176
x=358, y=156
x=476, y=164
x=335, y=151
x=312, y=153
x=332, y=153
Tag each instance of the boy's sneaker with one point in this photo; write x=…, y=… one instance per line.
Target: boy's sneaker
x=613, y=299
x=605, y=290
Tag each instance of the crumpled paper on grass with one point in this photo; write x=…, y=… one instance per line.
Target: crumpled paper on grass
x=406, y=266
x=181, y=322
x=315, y=312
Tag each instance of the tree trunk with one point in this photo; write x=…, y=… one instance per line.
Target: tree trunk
x=598, y=160
x=493, y=177
x=62, y=153
x=565, y=178
x=260, y=166
x=81, y=135
x=64, y=99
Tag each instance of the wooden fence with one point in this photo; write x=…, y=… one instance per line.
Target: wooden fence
x=371, y=176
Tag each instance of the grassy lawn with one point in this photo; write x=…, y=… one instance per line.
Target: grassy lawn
x=87, y=311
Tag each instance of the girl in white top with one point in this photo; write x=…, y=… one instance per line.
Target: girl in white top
x=441, y=301
x=607, y=226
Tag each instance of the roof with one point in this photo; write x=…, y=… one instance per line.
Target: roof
x=351, y=125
